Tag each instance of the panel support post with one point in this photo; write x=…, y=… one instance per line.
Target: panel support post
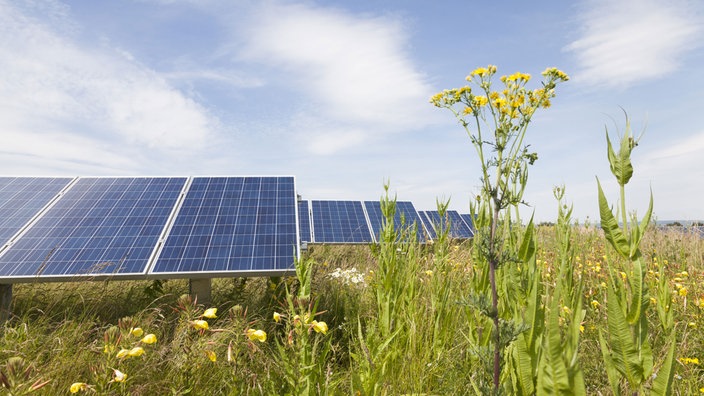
x=200, y=290
x=5, y=301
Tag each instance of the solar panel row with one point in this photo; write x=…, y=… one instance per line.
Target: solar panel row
x=166, y=227
x=134, y=227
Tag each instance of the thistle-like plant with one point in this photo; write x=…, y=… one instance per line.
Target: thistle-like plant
x=626, y=348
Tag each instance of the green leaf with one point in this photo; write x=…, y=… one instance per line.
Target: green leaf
x=527, y=249
x=638, y=232
x=637, y=295
x=523, y=366
x=610, y=226
x=620, y=164
x=611, y=371
x=662, y=386
x=625, y=354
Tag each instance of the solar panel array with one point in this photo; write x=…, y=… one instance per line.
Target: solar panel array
x=147, y=227
x=60, y=228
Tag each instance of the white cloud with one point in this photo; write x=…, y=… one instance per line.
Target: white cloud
x=352, y=68
x=624, y=42
x=78, y=102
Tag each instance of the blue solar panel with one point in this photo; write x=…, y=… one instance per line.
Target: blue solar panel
x=304, y=221
x=404, y=209
x=340, y=222
x=468, y=220
x=100, y=226
x=233, y=224
x=22, y=198
x=458, y=228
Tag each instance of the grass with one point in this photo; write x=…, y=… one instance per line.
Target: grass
x=59, y=331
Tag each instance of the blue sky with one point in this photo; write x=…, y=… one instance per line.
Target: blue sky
x=336, y=93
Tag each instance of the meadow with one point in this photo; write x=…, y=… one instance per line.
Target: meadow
x=66, y=333
x=566, y=308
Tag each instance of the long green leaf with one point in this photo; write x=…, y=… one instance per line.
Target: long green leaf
x=527, y=249
x=610, y=226
x=611, y=371
x=662, y=386
x=636, y=280
x=523, y=366
x=620, y=164
x=625, y=354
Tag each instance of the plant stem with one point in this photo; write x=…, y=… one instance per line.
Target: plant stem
x=495, y=296
x=623, y=208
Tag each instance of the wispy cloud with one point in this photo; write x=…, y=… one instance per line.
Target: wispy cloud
x=352, y=68
x=624, y=42
x=63, y=101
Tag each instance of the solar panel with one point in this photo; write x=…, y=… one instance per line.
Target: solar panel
x=458, y=228
x=404, y=209
x=340, y=222
x=304, y=221
x=468, y=220
x=232, y=224
x=22, y=198
x=100, y=226
x=428, y=224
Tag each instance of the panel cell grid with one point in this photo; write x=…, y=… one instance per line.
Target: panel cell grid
x=468, y=220
x=100, y=226
x=233, y=224
x=21, y=198
x=340, y=222
x=458, y=228
x=405, y=216
x=304, y=221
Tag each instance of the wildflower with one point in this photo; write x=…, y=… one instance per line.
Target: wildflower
x=123, y=353
x=623, y=275
x=136, y=351
x=78, y=386
x=701, y=390
x=296, y=320
x=566, y=309
x=136, y=331
x=258, y=335
x=692, y=325
x=581, y=328
x=320, y=327
x=595, y=304
x=200, y=324
x=119, y=376
x=653, y=300
x=685, y=360
x=277, y=317
x=149, y=339
x=429, y=272
x=480, y=101
x=210, y=313
x=682, y=291
x=211, y=356
x=108, y=349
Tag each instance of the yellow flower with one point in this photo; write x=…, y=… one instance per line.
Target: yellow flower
x=581, y=328
x=123, y=353
x=685, y=360
x=210, y=313
x=480, y=71
x=277, y=317
x=566, y=309
x=200, y=324
x=481, y=101
x=653, y=300
x=211, y=355
x=136, y=351
x=701, y=390
x=78, y=386
x=258, y=335
x=595, y=304
x=136, y=331
x=623, y=275
x=149, y=339
x=429, y=272
x=320, y=327
x=108, y=349
x=119, y=376
x=692, y=324
x=682, y=292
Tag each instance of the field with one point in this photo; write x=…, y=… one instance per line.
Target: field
x=72, y=333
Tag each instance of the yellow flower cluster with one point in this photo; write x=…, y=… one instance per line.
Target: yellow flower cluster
x=686, y=360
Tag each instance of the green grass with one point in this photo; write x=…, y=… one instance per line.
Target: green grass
x=58, y=329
